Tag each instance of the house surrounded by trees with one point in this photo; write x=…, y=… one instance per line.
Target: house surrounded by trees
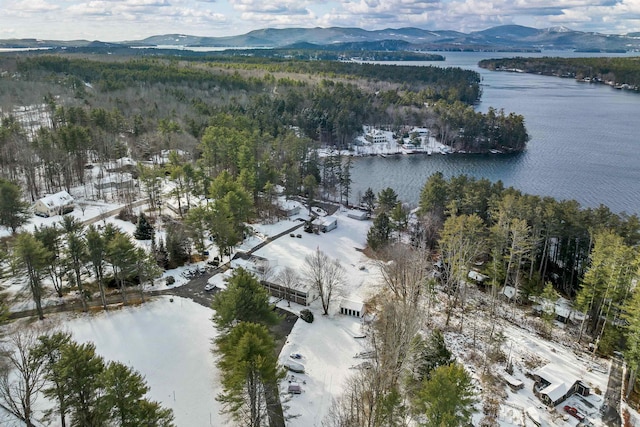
x=54, y=204
x=554, y=384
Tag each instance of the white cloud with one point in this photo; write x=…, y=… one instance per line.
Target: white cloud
x=126, y=19
x=28, y=7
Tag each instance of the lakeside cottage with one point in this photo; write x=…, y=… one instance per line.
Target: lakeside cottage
x=54, y=204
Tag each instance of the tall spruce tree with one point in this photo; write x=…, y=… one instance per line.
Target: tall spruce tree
x=144, y=230
x=244, y=300
x=31, y=256
x=13, y=210
x=249, y=366
x=447, y=398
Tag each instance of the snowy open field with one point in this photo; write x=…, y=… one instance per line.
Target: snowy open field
x=170, y=344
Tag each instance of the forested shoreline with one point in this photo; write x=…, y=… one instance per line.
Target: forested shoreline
x=611, y=70
x=58, y=107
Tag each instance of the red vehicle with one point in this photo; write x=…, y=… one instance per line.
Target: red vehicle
x=573, y=412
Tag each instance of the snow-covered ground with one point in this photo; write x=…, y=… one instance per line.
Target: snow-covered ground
x=170, y=342
x=327, y=348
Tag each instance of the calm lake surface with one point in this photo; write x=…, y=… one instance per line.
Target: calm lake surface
x=584, y=141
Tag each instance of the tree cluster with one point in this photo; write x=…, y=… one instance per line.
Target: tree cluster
x=64, y=251
x=461, y=127
x=529, y=239
x=85, y=389
x=407, y=376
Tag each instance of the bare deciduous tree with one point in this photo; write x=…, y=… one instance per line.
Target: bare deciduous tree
x=405, y=275
x=21, y=374
x=326, y=276
x=289, y=279
x=374, y=394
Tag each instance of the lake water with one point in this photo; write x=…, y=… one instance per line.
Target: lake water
x=584, y=141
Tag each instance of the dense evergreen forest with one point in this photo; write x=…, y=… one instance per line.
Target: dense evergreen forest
x=618, y=71
x=63, y=111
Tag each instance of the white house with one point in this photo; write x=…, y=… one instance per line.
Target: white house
x=54, y=204
x=376, y=136
x=289, y=208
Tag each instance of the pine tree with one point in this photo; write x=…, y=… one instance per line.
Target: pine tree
x=123, y=399
x=244, y=300
x=76, y=253
x=248, y=366
x=387, y=200
x=431, y=354
x=96, y=245
x=379, y=234
x=49, y=349
x=93, y=393
x=144, y=229
x=31, y=256
x=123, y=257
x=177, y=245
x=81, y=369
x=162, y=258
x=13, y=210
x=433, y=197
x=369, y=199
x=447, y=398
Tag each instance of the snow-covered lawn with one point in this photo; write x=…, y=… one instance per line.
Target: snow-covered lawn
x=170, y=344
x=343, y=243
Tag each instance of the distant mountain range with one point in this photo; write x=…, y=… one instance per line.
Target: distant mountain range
x=505, y=37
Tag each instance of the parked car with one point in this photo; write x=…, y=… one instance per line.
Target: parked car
x=294, y=367
x=573, y=412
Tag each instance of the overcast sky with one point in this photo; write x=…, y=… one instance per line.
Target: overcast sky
x=117, y=20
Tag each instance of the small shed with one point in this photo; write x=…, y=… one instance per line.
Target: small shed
x=509, y=292
x=352, y=308
x=477, y=277
x=513, y=383
x=329, y=223
x=54, y=204
x=358, y=214
x=289, y=208
x=323, y=224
